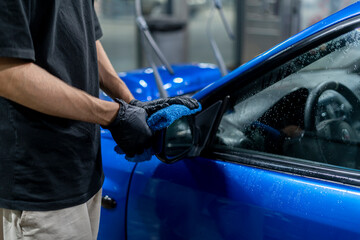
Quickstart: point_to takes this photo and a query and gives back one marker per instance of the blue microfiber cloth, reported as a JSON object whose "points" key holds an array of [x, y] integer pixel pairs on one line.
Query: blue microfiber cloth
{"points": [[157, 121], [166, 116]]}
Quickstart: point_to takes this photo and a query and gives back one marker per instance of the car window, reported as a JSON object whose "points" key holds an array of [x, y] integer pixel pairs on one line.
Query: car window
{"points": [[307, 108]]}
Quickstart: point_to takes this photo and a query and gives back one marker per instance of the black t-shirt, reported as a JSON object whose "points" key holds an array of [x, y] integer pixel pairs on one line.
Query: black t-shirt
{"points": [[46, 162]]}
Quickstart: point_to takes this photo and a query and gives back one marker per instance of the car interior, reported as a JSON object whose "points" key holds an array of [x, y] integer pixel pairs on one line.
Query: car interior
{"points": [[311, 112]]}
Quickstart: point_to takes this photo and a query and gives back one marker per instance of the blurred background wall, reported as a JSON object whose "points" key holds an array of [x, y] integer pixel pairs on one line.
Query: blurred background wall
{"points": [[258, 24]]}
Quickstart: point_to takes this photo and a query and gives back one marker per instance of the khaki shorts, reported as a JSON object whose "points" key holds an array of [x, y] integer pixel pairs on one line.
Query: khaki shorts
{"points": [[76, 223]]}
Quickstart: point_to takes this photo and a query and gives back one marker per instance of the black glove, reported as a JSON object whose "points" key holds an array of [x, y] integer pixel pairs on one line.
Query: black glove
{"points": [[155, 105], [130, 130]]}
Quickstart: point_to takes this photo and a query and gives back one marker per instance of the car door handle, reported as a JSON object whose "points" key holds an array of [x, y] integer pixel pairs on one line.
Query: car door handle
{"points": [[108, 203]]}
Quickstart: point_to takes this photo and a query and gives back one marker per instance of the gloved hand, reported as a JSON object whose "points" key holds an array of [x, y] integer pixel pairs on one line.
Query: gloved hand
{"points": [[130, 130], [155, 105]]}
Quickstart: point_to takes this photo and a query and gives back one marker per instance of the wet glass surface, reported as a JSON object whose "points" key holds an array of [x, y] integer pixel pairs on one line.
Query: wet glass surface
{"points": [[311, 111]]}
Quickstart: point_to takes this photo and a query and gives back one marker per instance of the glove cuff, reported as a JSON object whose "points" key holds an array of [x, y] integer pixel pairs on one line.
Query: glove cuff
{"points": [[120, 113]]}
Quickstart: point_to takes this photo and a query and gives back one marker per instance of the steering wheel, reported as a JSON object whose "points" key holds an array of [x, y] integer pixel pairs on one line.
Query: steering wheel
{"points": [[334, 137]]}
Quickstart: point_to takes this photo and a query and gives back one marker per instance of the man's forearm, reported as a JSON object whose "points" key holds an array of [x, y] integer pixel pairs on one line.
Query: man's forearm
{"points": [[35, 88], [109, 80]]}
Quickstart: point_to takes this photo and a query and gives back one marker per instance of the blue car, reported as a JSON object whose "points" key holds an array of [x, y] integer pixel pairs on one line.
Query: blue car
{"points": [[274, 154]]}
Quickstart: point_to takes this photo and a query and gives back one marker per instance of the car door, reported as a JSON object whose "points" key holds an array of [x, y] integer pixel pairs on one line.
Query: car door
{"points": [[274, 154]]}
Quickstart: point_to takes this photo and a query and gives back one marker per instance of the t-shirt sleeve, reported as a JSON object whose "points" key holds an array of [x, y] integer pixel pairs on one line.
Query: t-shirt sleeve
{"points": [[15, 36], [98, 31]]}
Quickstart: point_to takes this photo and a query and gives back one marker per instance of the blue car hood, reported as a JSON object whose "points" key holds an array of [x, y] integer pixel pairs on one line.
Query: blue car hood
{"points": [[187, 79]]}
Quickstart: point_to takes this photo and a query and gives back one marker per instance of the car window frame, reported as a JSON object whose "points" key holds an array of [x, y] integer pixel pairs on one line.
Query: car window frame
{"points": [[274, 162]]}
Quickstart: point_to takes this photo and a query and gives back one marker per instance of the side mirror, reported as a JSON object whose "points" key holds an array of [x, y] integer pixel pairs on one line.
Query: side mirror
{"points": [[177, 140], [187, 136]]}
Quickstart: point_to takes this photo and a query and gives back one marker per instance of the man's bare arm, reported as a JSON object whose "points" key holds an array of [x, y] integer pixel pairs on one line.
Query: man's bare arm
{"points": [[30, 85], [110, 82]]}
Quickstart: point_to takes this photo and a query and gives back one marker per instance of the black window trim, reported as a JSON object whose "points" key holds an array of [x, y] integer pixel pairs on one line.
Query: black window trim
{"points": [[281, 163], [289, 165]]}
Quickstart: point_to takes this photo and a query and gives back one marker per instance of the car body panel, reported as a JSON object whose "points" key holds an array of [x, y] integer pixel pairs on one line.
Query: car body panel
{"points": [[205, 199], [187, 79], [117, 179]]}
